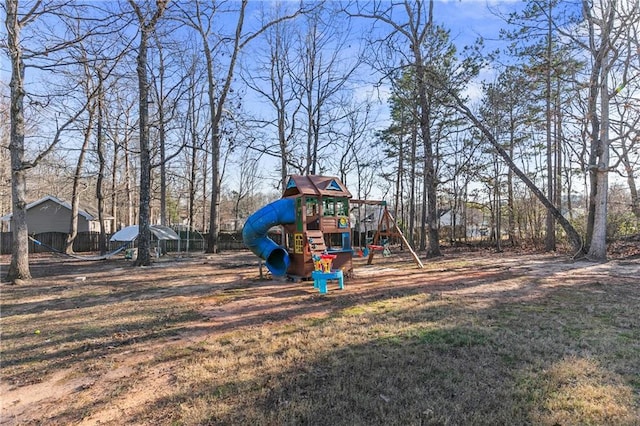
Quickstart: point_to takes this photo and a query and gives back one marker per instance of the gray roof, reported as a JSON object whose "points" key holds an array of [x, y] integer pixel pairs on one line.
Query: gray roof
{"points": [[81, 212]]}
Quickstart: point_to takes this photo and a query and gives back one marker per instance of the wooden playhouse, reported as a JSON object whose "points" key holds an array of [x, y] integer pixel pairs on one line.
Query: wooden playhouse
{"points": [[322, 224]]}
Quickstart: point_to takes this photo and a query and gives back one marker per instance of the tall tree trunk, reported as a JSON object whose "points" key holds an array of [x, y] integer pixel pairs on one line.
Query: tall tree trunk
{"points": [[102, 239], [193, 166], [430, 178], [144, 233], [510, 201], [19, 266], [598, 246], [412, 186], [114, 178], [593, 119], [205, 162], [163, 171], [558, 147], [631, 181], [127, 182], [497, 207], [216, 117], [550, 238], [400, 174], [424, 209], [432, 217], [599, 155], [146, 29], [162, 140], [214, 216], [212, 237]]}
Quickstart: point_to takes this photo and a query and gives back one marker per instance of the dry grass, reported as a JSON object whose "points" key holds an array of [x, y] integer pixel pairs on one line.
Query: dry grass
{"points": [[478, 340]]}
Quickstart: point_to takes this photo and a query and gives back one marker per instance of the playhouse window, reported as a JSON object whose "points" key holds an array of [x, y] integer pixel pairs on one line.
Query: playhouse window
{"points": [[342, 207], [333, 241], [312, 206], [328, 207]]}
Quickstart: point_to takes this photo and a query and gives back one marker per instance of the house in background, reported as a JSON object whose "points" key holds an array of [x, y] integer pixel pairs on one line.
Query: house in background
{"points": [[49, 214]]}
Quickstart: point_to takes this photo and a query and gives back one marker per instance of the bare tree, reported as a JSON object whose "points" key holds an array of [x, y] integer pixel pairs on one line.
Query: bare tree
{"points": [[320, 73], [126, 107], [627, 143], [196, 133], [96, 65], [100, 142], [168, 90], [147, 25], [414, 31], [270, 77], [352, 135], [77, 176], [201, 19], [625, 119], [606, 23], [15, 22]]}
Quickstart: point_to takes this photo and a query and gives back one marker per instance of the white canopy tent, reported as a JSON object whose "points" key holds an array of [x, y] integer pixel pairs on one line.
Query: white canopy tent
{"points": [[130, 233]]}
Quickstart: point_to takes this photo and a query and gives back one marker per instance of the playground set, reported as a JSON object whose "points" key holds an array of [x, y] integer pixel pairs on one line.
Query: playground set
{"points": [[314, 212]]}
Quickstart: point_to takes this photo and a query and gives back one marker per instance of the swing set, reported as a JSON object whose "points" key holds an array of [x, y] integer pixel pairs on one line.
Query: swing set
{"points": [[386, 230]]}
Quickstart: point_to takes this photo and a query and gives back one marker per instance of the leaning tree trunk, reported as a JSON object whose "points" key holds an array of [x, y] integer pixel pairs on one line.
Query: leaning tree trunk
{"points": [[574, 238], [75, 196]]}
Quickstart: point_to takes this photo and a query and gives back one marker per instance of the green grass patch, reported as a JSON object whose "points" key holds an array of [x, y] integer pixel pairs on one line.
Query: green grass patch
{"points": [[450, 337]]}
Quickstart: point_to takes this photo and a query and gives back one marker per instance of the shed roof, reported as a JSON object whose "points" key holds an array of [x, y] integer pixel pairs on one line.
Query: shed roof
{"points": [[327, 186], [82, 212]]}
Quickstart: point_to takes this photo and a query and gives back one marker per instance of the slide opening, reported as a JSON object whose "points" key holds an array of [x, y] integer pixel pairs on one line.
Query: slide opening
{"points": [[278, 261]]}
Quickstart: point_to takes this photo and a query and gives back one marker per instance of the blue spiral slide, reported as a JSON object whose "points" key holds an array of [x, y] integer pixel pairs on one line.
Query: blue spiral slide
{"points": [[254, 233]]}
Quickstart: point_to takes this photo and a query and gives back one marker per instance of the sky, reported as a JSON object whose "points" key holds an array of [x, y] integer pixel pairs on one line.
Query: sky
{"points": [[471, 19], [467, 20]]}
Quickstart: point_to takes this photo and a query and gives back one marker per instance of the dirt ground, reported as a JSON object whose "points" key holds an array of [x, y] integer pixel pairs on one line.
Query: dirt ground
{"points": [[228, 294]]}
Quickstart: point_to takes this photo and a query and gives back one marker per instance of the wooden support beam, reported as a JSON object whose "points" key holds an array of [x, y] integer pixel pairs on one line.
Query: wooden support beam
{"points": [[388, 220], [368, 202]]}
